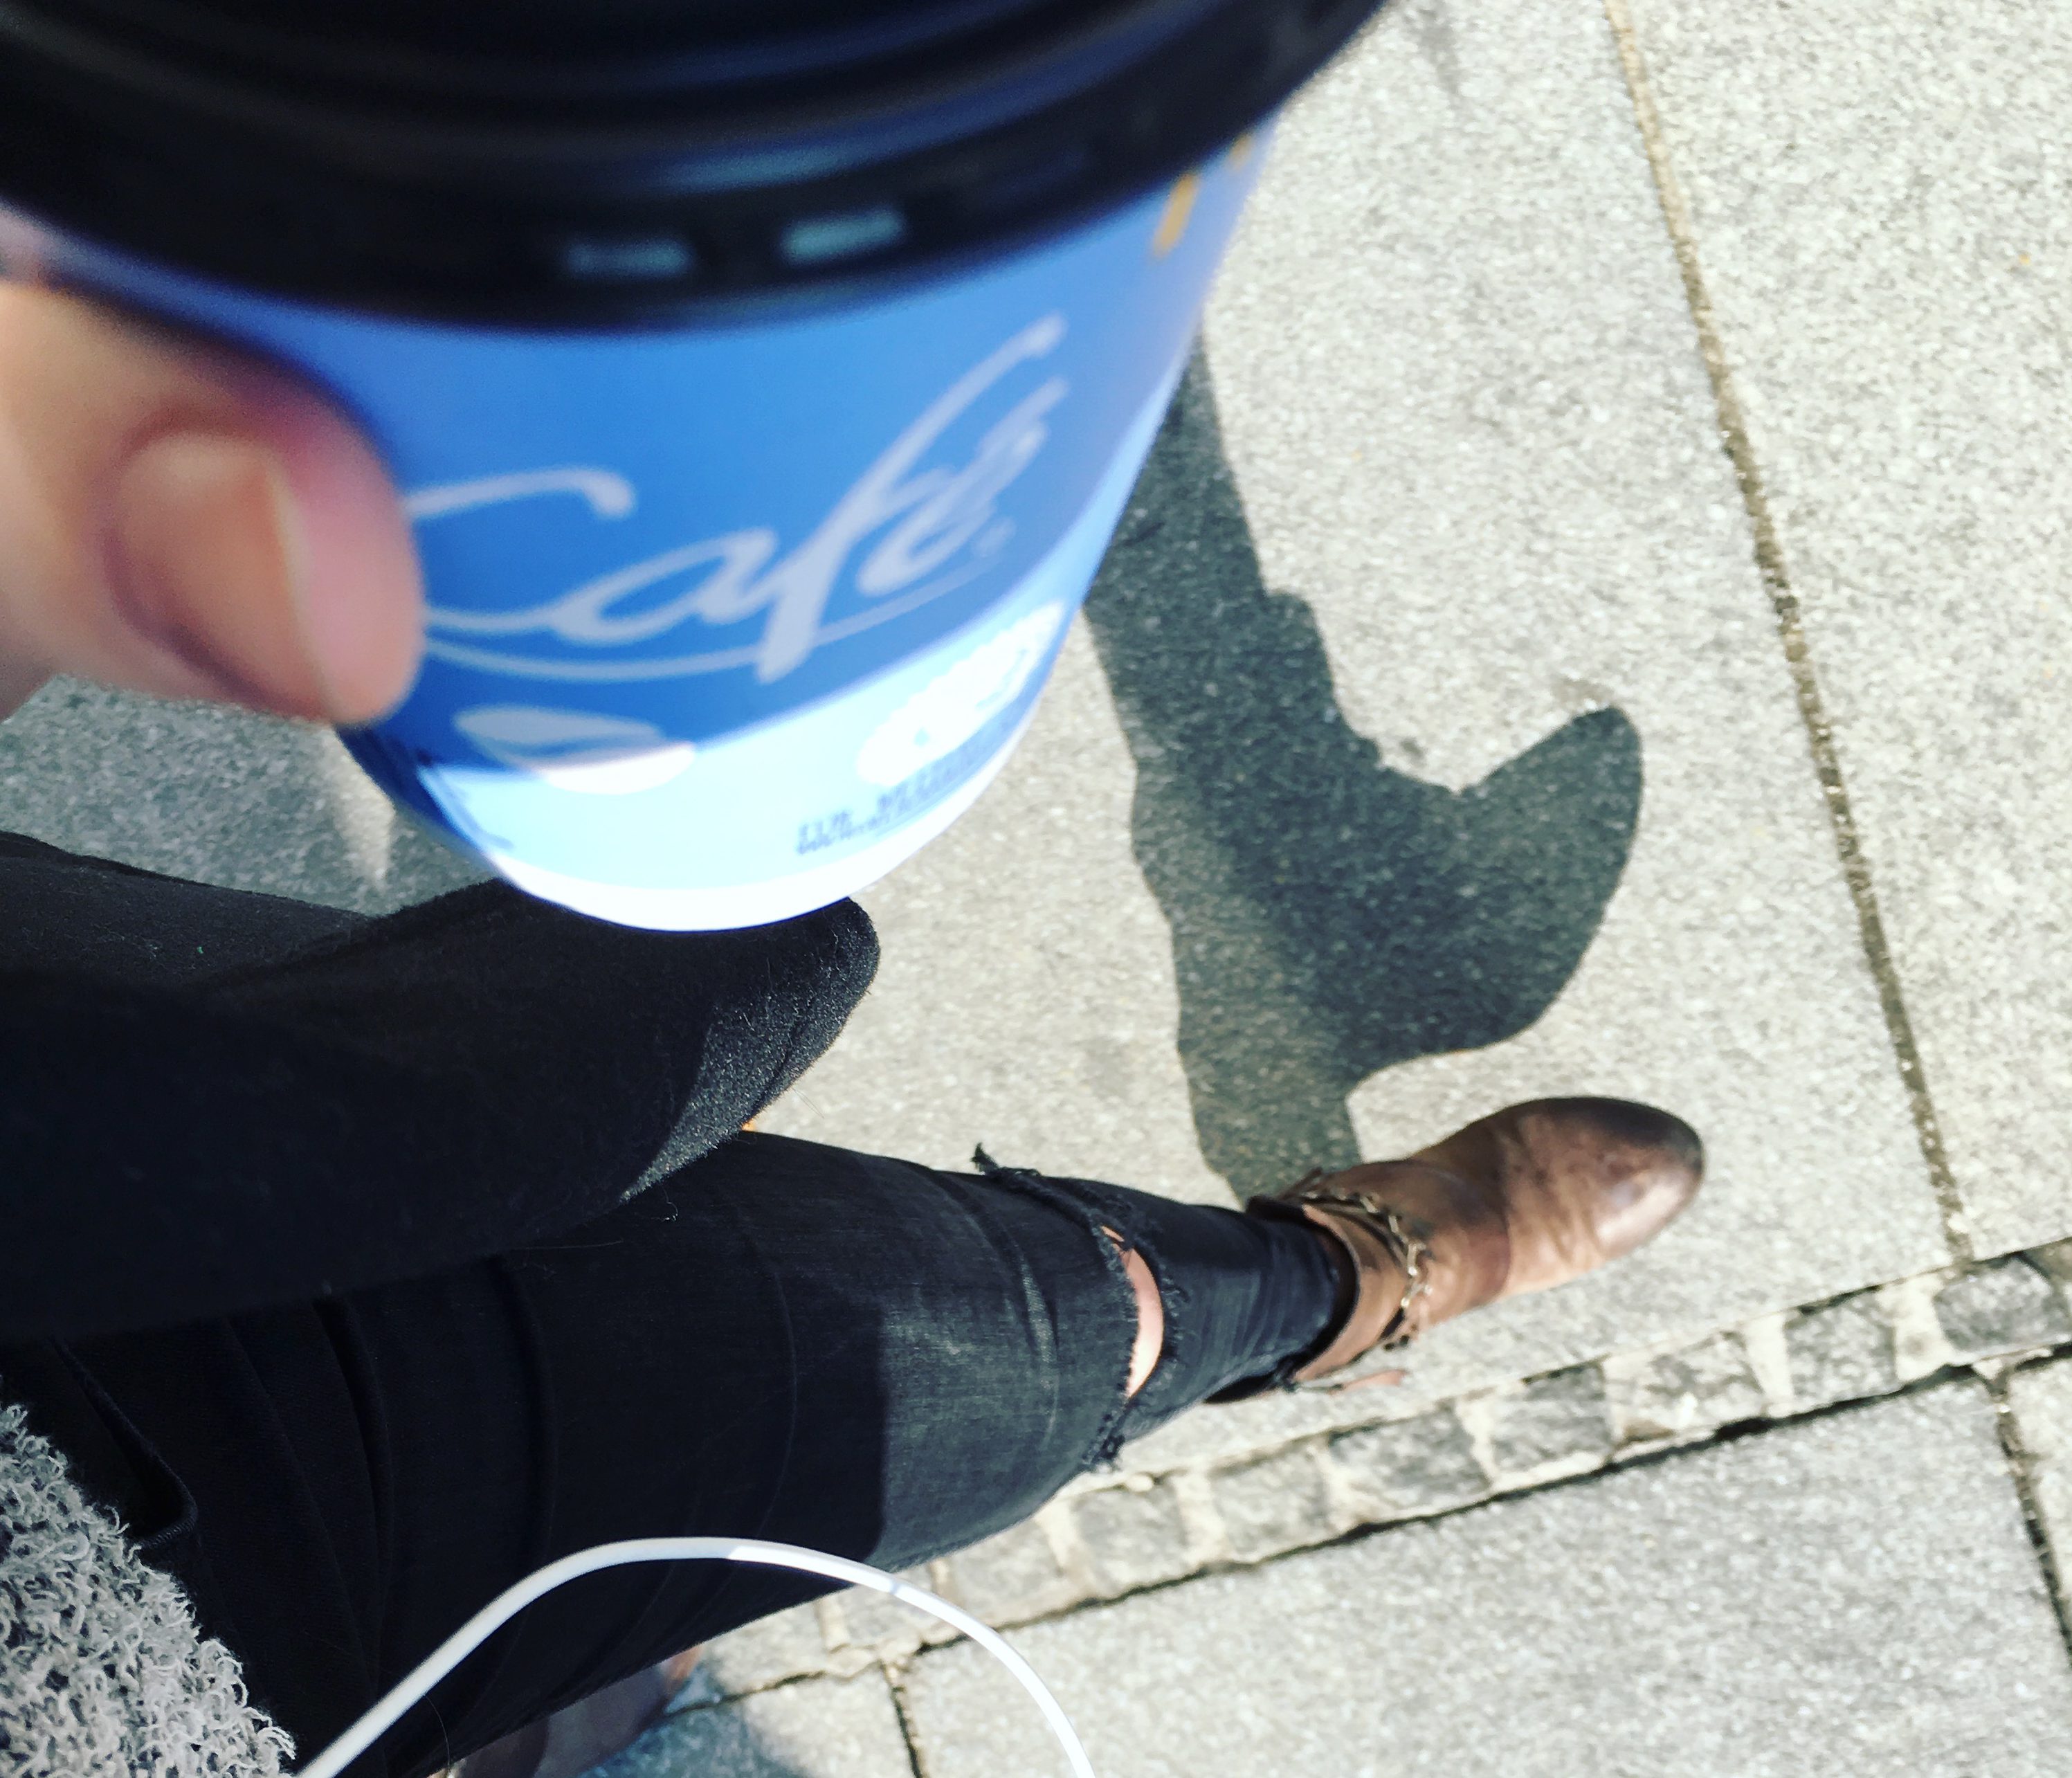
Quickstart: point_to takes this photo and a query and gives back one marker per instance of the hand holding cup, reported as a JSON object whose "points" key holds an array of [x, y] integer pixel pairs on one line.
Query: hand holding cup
{"points": [[178, 520]]}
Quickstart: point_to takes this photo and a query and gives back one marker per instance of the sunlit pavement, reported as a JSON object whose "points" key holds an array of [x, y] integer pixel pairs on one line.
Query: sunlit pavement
{"points": [[1597, 620]]}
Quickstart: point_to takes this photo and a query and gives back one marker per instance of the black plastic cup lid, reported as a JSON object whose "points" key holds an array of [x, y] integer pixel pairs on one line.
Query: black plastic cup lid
{"points": [[613, 162]]}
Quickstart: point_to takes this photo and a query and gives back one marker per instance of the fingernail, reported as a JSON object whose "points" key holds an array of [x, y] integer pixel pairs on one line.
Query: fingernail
{"points": [[211, 562]]}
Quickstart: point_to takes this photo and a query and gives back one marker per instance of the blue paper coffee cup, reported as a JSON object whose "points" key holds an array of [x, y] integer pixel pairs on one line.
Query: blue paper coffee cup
{"points": [[759, 464]]}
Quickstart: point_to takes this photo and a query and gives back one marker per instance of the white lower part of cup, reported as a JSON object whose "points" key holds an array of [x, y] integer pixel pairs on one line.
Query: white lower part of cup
{"points": [[722, 906]]}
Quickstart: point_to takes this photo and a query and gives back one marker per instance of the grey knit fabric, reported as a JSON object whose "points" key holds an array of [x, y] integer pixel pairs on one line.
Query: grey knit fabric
{"points": [[103, 1671]]}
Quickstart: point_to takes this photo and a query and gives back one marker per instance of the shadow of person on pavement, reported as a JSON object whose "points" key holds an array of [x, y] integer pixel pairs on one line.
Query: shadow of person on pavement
{"points": [[1331, 915]]}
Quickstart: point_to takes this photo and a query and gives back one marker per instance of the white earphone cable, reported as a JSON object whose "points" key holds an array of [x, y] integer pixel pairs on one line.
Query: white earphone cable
{"points": [[514, 1598]]}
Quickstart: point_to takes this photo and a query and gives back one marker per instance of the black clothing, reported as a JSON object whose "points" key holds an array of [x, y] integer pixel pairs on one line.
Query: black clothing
{"points": [[332, 1271]]}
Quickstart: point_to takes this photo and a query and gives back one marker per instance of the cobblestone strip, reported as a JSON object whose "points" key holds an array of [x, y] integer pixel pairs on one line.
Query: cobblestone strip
{"points": [[1129, 1531]]}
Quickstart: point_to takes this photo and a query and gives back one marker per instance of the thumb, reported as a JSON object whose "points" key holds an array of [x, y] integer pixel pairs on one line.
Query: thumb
{"points": [[177, 520]]}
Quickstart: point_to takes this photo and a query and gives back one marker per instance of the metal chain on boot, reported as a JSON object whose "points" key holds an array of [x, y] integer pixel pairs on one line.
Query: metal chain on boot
{"points": [[1408, 1249]]}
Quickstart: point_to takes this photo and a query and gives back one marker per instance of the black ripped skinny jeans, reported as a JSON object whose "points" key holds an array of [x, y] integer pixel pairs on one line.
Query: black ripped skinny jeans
{"points": [[364, 1266]]}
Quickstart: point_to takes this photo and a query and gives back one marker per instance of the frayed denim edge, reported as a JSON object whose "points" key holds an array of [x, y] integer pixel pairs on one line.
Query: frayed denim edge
{"points": [[1108, 1440]]}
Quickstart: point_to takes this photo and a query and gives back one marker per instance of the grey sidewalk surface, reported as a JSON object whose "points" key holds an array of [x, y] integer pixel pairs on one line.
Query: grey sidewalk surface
{"points": [[1633, 1628], [1598, 619]]}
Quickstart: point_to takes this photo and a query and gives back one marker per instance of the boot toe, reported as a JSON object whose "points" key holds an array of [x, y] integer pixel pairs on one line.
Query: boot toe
{"points": [[1639, 1166]]}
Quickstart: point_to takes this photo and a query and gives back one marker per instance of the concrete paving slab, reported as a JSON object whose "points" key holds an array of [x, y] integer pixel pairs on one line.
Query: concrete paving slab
{"points": [[1852, 1594], [217, 794], [1877, 193], [821, 1728], [1026, 998]]}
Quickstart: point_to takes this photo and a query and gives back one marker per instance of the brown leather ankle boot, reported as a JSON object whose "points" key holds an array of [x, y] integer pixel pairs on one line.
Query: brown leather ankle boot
{"points": [[1525, 1199]]}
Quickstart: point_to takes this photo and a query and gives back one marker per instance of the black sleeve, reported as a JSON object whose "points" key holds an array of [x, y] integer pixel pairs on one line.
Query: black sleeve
{"points": [[397, 1096]]}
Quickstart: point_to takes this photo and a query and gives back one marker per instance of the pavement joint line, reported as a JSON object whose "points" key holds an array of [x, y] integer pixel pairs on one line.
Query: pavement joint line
{"points": [[1873, 1343], [1733, 1433], [895, 1682], [1933, 1281], [896, 1668], [1784, 601], [1730, 1434], [2021, 1469]]}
